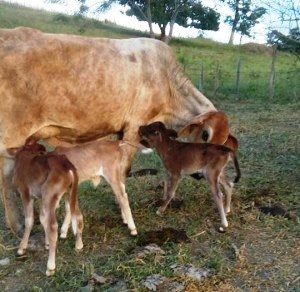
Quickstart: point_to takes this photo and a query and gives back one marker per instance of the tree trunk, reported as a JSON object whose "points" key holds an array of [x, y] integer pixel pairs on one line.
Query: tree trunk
{"points": [[172, 23], [163, 36], [235, 22], [149, 19]]}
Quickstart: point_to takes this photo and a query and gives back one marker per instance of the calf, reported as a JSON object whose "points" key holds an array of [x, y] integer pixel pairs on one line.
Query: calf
{"points": [[186, 158], [102, 158], [46, 176]]}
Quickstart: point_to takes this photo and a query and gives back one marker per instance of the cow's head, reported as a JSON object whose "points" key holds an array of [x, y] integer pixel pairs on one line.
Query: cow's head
{"points": [[153, 134]]}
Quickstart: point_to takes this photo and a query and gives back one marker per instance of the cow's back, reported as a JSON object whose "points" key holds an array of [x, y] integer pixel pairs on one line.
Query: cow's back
{"points": [[90, 87]]}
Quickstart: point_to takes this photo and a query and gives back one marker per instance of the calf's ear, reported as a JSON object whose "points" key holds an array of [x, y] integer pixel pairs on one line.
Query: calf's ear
{"points": [[172, 133]]}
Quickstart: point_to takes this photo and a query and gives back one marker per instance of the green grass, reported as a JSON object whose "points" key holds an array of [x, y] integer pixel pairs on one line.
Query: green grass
{"points": [[269, 157]]}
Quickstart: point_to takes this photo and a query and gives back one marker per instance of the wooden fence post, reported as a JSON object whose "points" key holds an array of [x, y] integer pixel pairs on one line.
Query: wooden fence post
{"points": [[272, 73], [201, 79], [238, 78], [217, 79]]}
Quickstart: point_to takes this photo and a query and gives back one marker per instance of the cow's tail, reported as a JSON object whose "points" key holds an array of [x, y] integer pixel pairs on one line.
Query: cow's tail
{"points": [[236, 166]]}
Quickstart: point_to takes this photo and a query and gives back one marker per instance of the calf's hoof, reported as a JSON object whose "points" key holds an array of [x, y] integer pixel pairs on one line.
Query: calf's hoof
{"points": [[79, 246], [21, 251], [133, 232], [63, 235], [222, 229], [159, 212], [50, 272], [47, 246]]}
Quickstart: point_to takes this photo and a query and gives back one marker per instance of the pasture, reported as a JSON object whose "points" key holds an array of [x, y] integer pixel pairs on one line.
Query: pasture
{"points": [[259, 252]]}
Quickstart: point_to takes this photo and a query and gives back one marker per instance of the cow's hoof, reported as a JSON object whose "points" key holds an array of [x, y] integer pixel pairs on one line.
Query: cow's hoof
{"points": [[133, 232], [50, 272]]}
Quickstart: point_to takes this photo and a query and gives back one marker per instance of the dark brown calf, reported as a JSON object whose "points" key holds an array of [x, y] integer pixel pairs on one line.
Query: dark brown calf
{"points": [[186, 158], [48, 176]]}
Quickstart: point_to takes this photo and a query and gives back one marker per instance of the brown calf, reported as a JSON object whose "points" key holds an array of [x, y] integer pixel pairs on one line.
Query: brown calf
{"points": [[102, 158], [48, 176], [186, 158]]}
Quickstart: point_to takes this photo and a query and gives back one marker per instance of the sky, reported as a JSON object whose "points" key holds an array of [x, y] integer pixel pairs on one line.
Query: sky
{"points": [[115, 15]]}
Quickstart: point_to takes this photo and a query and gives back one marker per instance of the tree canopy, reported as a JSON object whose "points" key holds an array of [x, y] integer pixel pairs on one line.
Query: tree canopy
{"points": [[186, 13], [246, 16]]}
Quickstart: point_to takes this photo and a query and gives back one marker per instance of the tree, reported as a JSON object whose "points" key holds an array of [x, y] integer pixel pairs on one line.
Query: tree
{"points": [[187, 13], [284, 28], [245, 17]]}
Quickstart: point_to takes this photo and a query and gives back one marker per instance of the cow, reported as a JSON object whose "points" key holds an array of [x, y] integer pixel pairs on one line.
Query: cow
{"points": [[77, 89]]}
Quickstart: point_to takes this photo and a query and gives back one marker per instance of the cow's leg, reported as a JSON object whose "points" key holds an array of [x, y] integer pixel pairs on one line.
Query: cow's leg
{"points": [[213, 180], [171, 186], [29, 218], [227, 191], [67, 221], [13, 214]]}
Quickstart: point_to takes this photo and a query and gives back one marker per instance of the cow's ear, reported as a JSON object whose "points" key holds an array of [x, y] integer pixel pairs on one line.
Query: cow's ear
{"points": [[188, 130], [13, 151]]}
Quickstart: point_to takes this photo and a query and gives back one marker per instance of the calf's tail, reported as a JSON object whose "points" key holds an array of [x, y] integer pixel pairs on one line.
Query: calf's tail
{"points": [[236, 166], [74, 200]]}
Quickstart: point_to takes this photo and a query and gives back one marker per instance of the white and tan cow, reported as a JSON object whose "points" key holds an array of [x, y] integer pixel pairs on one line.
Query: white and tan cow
{"points": [[78, 89]]}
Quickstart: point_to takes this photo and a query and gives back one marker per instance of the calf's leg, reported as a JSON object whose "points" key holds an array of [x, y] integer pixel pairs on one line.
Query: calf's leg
{"points": [[119, 189], [227, 191], [51, 231], [170, 188], [218, 198], [29, 218]]}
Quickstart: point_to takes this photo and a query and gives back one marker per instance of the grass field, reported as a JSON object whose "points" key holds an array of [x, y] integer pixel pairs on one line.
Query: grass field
{"points": [[258, 252]]}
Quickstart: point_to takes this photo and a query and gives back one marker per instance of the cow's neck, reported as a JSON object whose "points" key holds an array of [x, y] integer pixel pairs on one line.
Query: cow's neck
{"points": [[187, 102]]}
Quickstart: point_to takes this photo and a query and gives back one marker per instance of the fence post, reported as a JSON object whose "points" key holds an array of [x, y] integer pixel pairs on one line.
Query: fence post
{"points": [[272, 73], [217, 79], [201, 79], [238, 78]]}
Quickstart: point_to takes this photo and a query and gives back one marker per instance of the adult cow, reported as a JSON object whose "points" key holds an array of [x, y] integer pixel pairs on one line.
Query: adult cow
{"points": [[78, 89]]}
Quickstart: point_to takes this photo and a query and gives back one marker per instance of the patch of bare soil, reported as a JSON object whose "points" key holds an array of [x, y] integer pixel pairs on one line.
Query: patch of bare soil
{"points": [[163, 236]]}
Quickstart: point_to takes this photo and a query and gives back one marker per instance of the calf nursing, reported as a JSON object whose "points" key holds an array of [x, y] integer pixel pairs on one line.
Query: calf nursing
{"points": [[103, 158], [49, 177], [186, 158]]}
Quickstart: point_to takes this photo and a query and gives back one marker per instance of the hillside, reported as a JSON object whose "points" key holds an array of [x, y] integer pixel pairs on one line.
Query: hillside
{"points": [[219, 61]]}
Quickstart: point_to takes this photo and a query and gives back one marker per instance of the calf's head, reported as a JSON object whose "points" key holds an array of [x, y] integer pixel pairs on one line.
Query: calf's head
{"points": [[153, 134]]}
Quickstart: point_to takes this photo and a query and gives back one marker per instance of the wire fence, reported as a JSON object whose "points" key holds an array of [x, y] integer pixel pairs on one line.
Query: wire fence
{"points": [[245, 83]]}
